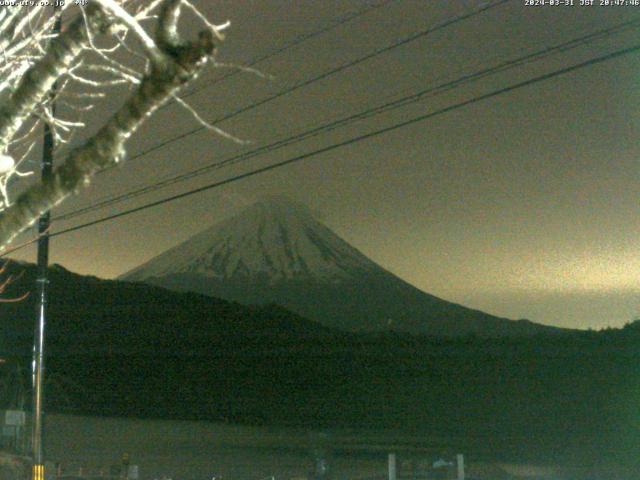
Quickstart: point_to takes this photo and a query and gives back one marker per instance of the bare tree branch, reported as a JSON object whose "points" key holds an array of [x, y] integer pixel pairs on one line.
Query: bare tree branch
{"points": [[178, 63], [38, 81], [5, 282]]}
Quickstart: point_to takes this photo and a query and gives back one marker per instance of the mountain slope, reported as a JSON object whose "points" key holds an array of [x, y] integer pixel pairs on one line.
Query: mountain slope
{"points": [[89, 315], [125, 349], [276, 252], [271, 241]]}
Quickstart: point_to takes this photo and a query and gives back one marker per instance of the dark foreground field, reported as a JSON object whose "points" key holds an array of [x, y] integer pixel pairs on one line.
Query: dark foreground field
{"points": [[571, 402], [187, 450]]}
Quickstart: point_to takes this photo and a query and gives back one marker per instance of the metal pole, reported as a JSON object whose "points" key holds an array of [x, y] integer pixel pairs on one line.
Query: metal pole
{"points": [[392, 466], [460, 464], [42, 294]]}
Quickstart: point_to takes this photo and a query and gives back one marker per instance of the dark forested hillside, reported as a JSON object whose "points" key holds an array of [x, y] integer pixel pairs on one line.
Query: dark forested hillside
{"points": [[129, 349]]}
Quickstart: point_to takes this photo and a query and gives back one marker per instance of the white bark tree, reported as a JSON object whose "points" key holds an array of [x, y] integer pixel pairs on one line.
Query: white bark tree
{"points": [[75, 68], [5, 281]]}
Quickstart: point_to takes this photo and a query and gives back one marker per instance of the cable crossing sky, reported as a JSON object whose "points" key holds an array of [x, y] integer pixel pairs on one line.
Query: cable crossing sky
{"points": [[383, 108], [359, 138]]}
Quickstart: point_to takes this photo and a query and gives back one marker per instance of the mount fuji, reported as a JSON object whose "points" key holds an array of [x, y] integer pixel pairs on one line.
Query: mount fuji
{"points": [[276, 252]]}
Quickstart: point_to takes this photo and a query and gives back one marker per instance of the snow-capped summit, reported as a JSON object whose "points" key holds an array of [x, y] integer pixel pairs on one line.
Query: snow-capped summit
{"points": [[275, 239], [275, 251]]}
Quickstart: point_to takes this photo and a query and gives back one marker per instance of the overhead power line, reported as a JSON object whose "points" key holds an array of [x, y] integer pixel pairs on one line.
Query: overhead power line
{"points": [[379, 51], [400, 102], [360, 138], [287, 46]]}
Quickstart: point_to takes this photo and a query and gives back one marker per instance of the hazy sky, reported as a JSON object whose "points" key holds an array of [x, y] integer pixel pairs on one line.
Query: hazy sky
{"points": [[524, 205]]}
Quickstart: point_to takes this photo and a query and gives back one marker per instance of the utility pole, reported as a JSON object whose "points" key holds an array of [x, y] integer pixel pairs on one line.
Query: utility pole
{"points": [[392, 466], [42, 292]]}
